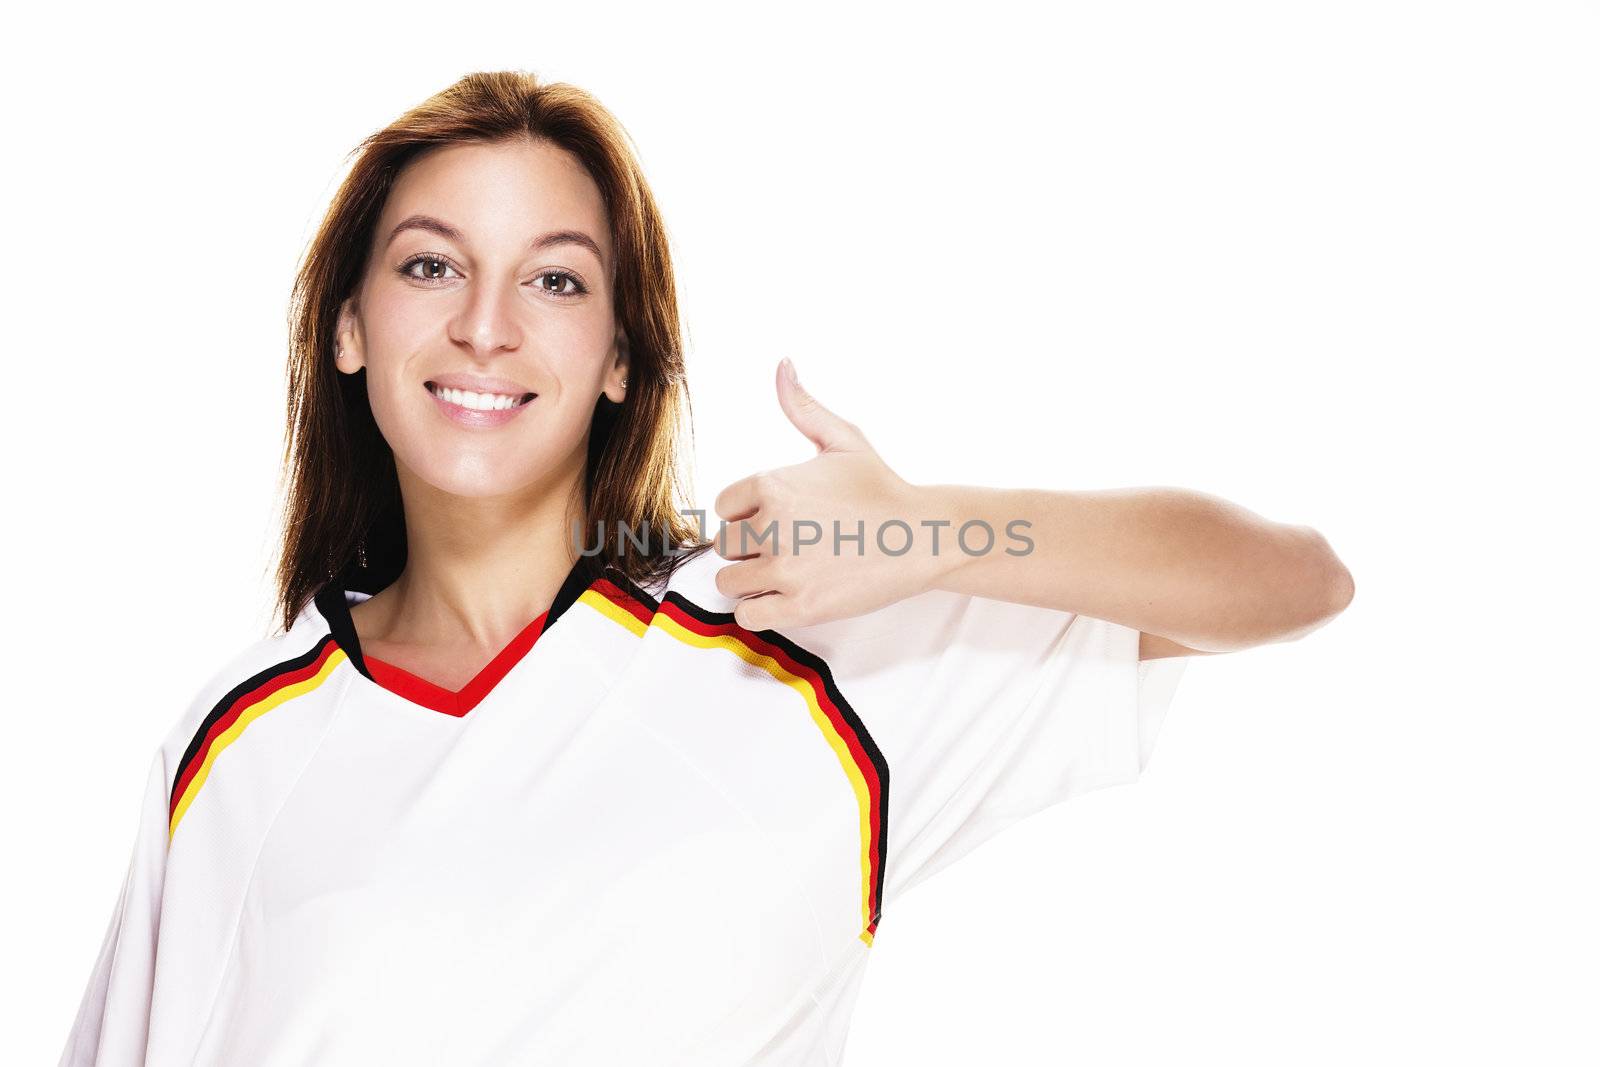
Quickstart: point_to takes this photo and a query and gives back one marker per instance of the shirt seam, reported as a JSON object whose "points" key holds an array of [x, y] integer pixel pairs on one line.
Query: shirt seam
{"points": [[989, 755], [255, 864], [805, 894]]}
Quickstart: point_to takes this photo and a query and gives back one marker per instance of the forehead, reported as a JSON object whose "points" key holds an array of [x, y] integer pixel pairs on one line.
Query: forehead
{"points": [[499, 194]]}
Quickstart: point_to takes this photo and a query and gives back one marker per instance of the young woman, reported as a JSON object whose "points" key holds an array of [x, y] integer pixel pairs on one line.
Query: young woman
{"points": [[538, 771]]}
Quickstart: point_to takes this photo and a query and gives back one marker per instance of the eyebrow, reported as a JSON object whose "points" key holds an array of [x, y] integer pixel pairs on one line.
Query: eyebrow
{"points": [[543, 241]]}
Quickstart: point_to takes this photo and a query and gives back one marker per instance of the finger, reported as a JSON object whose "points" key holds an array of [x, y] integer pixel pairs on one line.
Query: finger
{"points": [[744, 540], [738, 500], [822, 427], [746, 579], [763, 612]]}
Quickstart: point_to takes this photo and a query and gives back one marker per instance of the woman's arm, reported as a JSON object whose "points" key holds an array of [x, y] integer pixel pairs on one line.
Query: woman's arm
{"points": [[1198, 570], [1192, 572]]}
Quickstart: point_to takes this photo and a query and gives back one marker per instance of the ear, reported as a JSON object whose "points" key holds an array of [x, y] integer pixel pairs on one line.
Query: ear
{"points": [[349, 345], [615, 391]]}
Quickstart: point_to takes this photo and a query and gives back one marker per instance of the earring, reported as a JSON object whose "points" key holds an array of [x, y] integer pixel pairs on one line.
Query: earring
{"points": [[361, 552], [624, 383]]}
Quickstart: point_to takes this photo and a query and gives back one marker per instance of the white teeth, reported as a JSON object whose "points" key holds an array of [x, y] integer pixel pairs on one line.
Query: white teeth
{"points": [[477, 401]]}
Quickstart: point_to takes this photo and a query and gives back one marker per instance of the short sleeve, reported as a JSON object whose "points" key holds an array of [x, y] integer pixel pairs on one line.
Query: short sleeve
{"points": [[113, 1019], [1002, 710]]}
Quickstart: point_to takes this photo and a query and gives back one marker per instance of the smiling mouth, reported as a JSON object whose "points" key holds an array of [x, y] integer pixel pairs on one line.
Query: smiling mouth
{"points": [[479, 401]]}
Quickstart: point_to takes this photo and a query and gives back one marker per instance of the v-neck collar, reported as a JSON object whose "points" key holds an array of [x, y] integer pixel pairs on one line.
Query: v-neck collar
{"points": [[334, 604]]}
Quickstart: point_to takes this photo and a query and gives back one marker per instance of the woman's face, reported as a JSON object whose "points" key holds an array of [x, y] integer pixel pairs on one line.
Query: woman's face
{"points": [[480, 278]]}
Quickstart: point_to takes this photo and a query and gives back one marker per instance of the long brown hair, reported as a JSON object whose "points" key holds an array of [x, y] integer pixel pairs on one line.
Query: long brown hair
{"points": [[340, 490]]}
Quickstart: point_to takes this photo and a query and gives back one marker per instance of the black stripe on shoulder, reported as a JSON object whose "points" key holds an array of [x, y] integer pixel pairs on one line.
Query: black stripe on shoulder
{"points": [[800, 655], [627, 585], [196, 747], [810, 659]]}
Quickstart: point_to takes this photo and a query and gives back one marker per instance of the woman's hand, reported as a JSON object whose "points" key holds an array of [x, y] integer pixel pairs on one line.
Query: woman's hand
{"points": [[814, 545]]}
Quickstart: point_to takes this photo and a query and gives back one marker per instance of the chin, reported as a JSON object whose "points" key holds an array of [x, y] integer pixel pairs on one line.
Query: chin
{"points": [[476, 464], [479, 477]]}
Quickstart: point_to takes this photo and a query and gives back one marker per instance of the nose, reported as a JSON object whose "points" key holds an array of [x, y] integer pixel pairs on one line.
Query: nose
{"points": [[487, 321]]}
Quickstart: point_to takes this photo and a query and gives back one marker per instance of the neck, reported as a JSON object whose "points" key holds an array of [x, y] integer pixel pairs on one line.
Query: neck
{"points": [[478, 569]]}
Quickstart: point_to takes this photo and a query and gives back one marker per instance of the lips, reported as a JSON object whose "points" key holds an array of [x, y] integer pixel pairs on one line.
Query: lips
{"points": [[477, 410], [479, 399], [478, 383]]}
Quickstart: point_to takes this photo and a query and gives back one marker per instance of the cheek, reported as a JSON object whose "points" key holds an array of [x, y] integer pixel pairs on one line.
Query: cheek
{"points": [[546, 438], [393, 407], [396, 330], [397, 327]]}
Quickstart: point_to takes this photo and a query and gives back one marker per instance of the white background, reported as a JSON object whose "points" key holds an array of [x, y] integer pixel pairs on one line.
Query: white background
{"points": [[1335, 262]]}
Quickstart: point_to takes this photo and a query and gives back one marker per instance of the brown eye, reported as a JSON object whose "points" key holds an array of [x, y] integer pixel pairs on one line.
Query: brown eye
{"points": [[429, 264], [561, 277]]}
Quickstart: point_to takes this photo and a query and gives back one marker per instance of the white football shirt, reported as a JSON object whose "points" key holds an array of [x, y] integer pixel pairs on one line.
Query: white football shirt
{"points": [[642, 834]]}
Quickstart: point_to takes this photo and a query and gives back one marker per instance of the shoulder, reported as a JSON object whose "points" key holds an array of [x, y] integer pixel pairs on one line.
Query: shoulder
{"points": [[910, 633], [690, 576], [692, 591], [694, 578], [293, 662]]}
